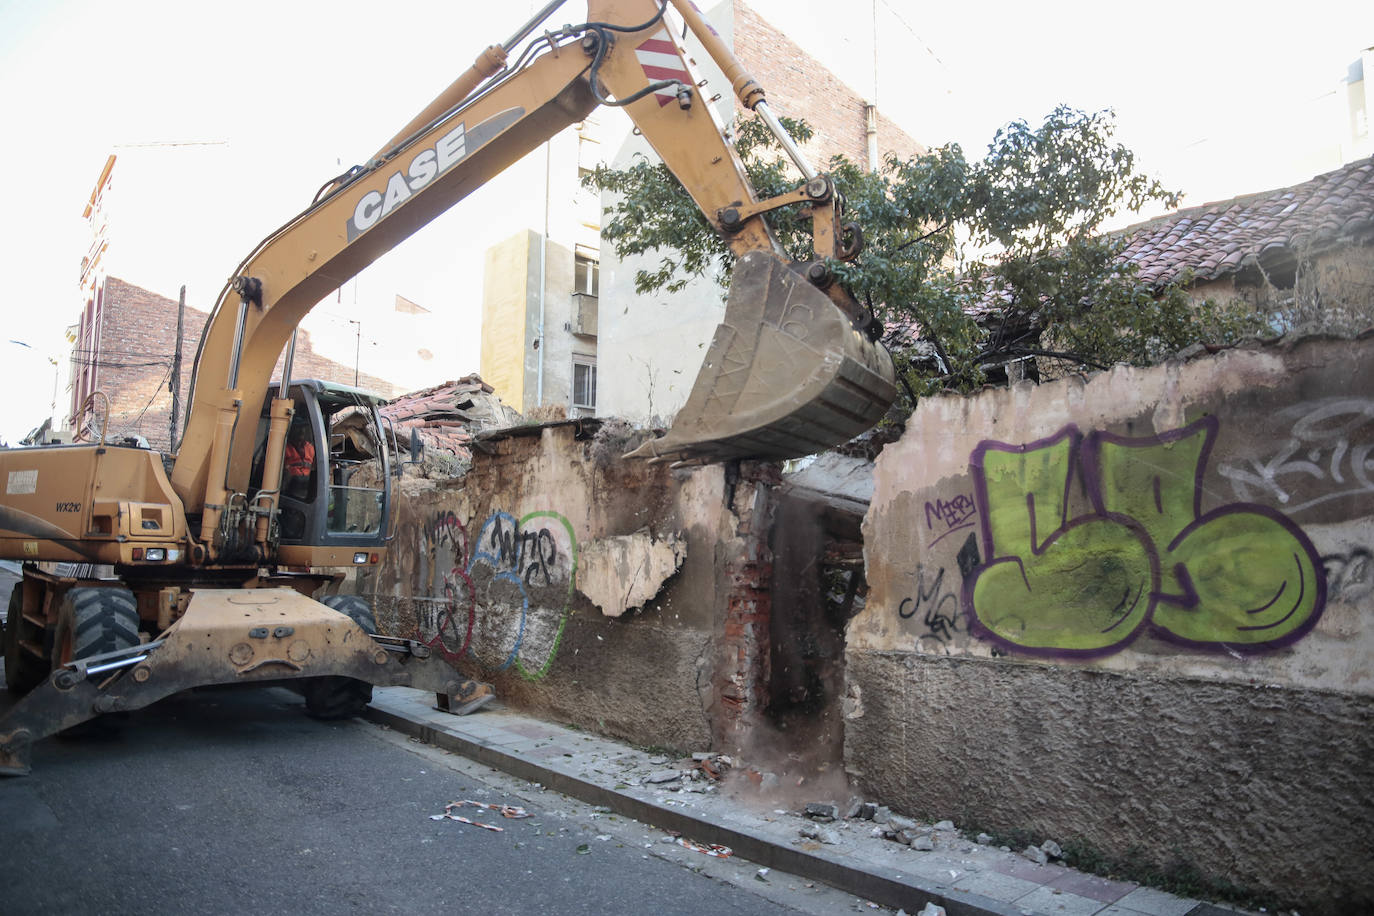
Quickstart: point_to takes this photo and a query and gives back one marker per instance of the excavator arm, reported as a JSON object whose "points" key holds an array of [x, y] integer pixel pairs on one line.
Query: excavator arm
{"points": [[789, 371]]}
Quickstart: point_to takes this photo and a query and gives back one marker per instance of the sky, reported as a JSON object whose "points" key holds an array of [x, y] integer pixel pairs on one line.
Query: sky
{"points": [[232, 116]]}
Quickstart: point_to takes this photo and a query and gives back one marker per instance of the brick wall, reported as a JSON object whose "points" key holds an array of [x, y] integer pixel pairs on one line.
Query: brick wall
{"points": [[136, 341], [798, 86], [743, 650]]}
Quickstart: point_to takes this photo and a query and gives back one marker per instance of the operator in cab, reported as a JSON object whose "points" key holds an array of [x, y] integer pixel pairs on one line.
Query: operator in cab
{"points": [[299, 460]]}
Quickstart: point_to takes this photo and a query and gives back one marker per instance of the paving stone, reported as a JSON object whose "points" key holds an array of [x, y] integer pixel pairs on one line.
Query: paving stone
{"points": [[994, 885], [1018, 867], [1156, 903], [1045, 900], [1092, 886]]}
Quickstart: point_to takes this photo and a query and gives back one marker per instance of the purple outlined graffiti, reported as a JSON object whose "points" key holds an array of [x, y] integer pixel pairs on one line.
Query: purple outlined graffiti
{"points": [[949, 516], [1240, 577]]}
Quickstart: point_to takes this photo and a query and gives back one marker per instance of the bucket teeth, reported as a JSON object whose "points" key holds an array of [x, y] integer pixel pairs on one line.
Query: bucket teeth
{"points": [[786, 375]]}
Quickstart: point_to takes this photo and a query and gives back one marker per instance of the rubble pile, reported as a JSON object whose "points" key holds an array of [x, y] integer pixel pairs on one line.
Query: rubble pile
{"points": [[822, 822], [445, 416]]}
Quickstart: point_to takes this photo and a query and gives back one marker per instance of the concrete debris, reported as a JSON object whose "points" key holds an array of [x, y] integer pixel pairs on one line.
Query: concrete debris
{"points": [[897, 822], [932, 910], [882, 814], [1035, 854], [821, 812], [984, 839], [923, 844], [867, 811], [663, 776], [625, 572], [710, 766], [945, 825], [1052, 849], [824, 834]]}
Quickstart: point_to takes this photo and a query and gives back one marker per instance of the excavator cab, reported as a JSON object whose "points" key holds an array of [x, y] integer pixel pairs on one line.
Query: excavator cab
{"points": [[336, 481]]}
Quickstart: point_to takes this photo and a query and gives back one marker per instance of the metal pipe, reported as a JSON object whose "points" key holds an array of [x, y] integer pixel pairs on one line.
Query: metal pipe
{"points": [[122, 663], [238, 343], [287, 366], [788, 144], [509, 44]]}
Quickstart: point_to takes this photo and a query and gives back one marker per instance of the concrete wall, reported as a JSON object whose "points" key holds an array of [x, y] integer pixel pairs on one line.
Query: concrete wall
{"points": [[1139, 611], [490, 568], [514, 356]]}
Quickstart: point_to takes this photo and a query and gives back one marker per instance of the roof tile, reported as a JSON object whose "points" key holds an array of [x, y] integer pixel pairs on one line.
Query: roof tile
{"points": [[1215, 239]]}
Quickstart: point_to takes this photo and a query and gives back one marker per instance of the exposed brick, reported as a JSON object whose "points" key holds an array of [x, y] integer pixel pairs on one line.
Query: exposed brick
{"points": [[133, 351], [798, 86]]}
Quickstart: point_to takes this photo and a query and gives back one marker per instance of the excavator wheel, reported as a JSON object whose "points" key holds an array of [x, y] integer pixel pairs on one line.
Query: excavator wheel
{"points": [[91, 621], [94, 620], [335, 697], [23, 670]]}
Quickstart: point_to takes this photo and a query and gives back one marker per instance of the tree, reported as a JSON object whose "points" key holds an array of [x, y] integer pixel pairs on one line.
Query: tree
{"points": [[972, 266]]}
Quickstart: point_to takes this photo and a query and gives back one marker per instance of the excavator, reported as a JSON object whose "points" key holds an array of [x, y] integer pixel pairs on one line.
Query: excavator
{"points": [[138, 584]]}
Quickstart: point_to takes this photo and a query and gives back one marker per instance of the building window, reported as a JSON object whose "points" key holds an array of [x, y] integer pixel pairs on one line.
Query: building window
{"points": [[584, 383], [586, 274]]}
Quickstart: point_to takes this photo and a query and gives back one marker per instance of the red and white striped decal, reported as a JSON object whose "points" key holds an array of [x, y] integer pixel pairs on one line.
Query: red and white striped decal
{"points": [[658, 56]]}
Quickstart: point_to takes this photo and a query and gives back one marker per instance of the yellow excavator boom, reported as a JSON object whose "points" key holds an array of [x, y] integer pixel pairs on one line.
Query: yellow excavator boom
{"points": [[781, 379]]}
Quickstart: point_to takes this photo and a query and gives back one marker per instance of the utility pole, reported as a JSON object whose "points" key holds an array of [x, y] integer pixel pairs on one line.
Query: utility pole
{"points": [[357, 349], [176, 371]]}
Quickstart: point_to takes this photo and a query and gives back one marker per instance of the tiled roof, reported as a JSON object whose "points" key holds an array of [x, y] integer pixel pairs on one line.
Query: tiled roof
{"points": [[1271, 229], [445, 416]]}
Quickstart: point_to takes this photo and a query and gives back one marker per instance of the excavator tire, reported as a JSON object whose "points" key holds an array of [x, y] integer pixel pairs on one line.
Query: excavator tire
{"points": [[92, 621], [23, 670], [336, 697]]}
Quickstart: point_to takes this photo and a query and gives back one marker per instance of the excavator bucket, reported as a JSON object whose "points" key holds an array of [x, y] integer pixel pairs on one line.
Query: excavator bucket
{"points": [[787, 375]]}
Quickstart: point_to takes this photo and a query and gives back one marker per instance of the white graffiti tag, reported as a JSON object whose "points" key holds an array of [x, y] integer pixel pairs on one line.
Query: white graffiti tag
{"points": [[1323, 447]]}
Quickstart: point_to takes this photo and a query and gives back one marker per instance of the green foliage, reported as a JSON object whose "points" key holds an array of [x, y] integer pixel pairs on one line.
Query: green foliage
{"points": [[971, 265]]}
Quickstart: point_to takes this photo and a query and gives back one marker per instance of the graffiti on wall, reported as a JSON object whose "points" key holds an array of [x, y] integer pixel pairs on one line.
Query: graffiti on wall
{"points": [[509, 592], [949, 516], [935, 604], [1326, 456], [1143, 557]]}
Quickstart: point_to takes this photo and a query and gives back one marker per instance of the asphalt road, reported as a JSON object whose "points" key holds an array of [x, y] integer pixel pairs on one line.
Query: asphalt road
{"points": [[233, 801]]}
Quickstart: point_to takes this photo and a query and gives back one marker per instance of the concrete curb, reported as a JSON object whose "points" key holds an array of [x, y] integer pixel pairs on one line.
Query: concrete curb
{"points": [[910, 894]]}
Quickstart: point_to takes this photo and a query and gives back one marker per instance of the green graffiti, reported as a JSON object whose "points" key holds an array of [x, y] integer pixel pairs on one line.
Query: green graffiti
{"points": [[1241, 575], [1054, 585]]}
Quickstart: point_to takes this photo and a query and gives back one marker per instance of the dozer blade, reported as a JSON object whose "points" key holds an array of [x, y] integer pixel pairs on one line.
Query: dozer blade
{"points": [[787, 375]]}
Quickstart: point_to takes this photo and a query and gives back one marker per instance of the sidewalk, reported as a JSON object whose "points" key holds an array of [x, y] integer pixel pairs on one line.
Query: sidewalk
{"points": [[957, 874]]}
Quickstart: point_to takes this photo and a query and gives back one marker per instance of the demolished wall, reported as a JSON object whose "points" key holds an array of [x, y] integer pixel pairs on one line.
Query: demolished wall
{"points": [[1136, 612], [617, 596]]}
